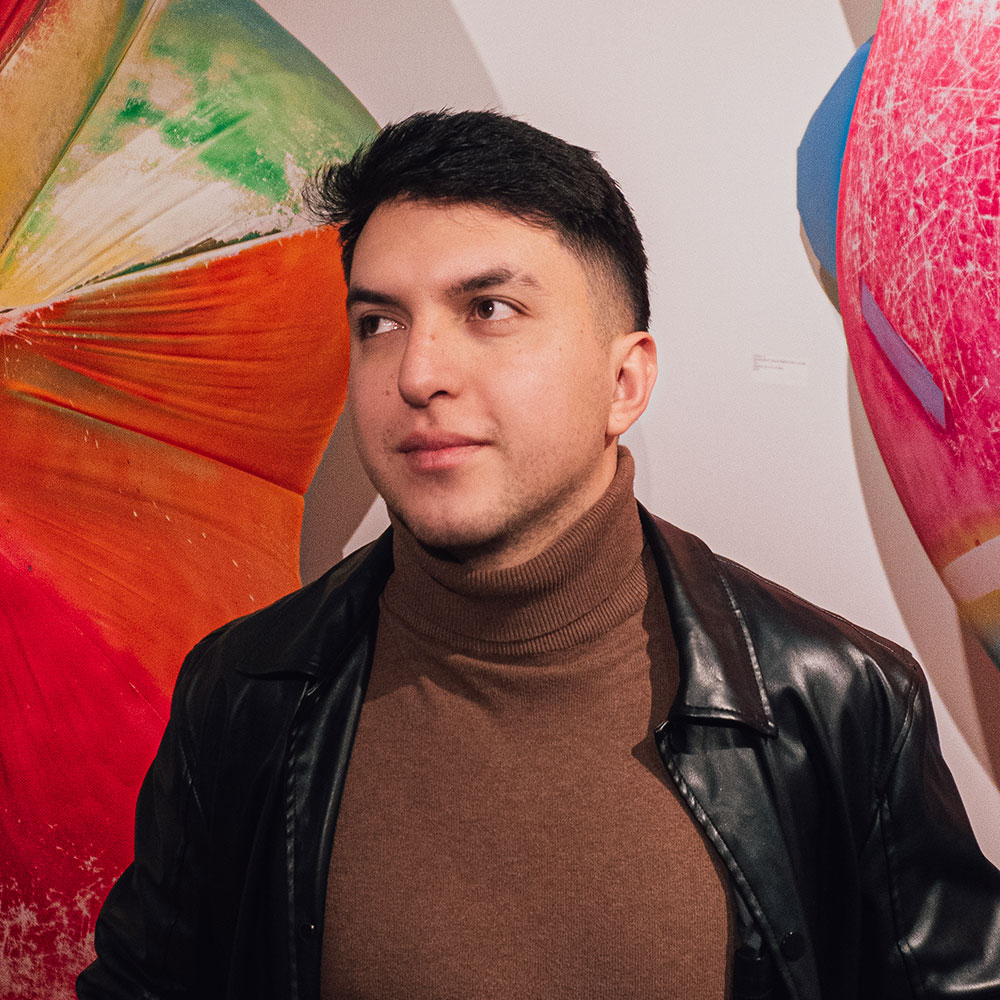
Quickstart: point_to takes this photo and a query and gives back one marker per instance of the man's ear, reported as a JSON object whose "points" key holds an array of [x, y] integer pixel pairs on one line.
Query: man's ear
{"points": [[634, 359]]}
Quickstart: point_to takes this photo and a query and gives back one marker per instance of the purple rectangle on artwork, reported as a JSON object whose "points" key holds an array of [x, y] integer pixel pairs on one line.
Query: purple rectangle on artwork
{"points": [[900, 355]]}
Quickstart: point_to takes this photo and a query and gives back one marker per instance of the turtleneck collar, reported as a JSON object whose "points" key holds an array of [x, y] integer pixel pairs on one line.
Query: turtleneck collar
{"points": [[586, 582]]}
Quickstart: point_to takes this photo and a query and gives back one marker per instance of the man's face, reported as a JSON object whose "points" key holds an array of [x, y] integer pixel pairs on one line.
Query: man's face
{"points": [[481, 378]]}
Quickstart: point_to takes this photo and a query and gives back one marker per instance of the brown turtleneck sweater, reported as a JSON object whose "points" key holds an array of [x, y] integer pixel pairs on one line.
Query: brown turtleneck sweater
{"points": [[507, 829]]}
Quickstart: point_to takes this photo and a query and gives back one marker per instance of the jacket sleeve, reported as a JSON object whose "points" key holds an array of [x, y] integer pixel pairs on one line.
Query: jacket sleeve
{"points": [[934, 898], [149, 929]]}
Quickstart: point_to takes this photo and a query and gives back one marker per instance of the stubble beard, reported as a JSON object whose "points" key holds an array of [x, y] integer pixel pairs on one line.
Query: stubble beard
{"points": [[512, 530]]}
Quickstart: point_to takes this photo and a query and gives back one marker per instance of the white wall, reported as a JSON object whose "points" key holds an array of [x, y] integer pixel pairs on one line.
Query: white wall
{"points": [[697, 110]]}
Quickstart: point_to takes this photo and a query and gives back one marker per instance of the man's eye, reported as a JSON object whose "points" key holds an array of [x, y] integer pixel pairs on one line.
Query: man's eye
{"points": [[493, 309], [372, 326]]}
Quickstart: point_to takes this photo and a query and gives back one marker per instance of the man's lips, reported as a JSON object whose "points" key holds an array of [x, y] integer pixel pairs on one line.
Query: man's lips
{"points": [[438, 450], [436, 441]]}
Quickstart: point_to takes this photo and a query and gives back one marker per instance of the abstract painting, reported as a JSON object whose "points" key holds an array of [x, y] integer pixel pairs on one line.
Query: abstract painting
{"points": [[918, 274], [173, 358]]}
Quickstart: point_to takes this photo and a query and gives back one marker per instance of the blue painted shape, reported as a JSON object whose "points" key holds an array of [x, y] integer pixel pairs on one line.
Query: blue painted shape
{"points": [[821, 156], [900, 355]]}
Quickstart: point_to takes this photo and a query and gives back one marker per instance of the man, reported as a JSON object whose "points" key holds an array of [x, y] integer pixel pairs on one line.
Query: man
{"points": [[534, 742]]}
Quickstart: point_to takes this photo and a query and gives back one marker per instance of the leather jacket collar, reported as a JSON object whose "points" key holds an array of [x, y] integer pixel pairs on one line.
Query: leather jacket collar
{"points": [[709, 630], [708, 627]]}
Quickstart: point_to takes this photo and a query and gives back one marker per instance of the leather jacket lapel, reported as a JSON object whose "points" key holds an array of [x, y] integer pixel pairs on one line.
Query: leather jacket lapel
{"points": [[720, 677], [715, 744]]}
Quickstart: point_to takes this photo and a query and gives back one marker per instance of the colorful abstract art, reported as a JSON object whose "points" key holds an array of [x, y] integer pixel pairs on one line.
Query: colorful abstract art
{"points": [[918, 278], [173, 358]]}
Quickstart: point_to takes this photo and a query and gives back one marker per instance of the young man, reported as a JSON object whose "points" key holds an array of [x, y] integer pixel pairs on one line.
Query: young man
{"points": [[534, 742]]}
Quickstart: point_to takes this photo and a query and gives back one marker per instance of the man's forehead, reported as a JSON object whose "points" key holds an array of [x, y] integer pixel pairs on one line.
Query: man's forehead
{"points": [[463, 246], [596, 264]]}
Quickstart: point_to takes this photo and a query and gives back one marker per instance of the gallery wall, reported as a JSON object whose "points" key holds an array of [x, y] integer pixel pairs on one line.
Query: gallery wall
{"points": [[755, 438]]}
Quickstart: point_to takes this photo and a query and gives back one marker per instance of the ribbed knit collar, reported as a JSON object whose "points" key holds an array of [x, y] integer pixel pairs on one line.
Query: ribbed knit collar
{"points": [[587, 582]]}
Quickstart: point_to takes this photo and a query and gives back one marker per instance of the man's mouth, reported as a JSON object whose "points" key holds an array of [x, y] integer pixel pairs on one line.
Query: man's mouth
{"points": [[434, 450]]}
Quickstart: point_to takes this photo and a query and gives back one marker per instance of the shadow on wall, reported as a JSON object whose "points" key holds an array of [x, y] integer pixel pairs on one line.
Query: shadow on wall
{"points": [[861, 17], [337, 501], [965, 677]]}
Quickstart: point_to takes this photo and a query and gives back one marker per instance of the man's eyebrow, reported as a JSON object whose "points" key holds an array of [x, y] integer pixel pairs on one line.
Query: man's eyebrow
{"points": [[358, 293], [491, 279]]}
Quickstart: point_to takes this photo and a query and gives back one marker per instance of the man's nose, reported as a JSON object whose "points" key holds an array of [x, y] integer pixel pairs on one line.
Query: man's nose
{"points": [[430, 365]]}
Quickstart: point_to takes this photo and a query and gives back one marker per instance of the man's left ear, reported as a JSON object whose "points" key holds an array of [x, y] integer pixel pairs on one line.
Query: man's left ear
{"points": [[634, 360]]}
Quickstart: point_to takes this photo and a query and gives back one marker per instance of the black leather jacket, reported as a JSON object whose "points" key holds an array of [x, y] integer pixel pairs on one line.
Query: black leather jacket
{"points": [[804, 746]]}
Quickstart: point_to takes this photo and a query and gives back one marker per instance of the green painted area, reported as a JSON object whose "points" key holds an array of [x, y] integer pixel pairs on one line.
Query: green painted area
{"points": [[207, 122], [38, 224], [259, 95], [246, 96], [35, 227], [138, 112], [107, 128], [127, 27], [246, 166]]}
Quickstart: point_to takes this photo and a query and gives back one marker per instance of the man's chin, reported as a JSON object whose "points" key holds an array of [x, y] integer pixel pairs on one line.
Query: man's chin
{"points": [[457, 542]]}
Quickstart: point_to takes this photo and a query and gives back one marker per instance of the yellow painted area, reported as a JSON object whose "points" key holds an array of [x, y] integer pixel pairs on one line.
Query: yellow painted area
{"points": [[44, 89], [982, 614]]}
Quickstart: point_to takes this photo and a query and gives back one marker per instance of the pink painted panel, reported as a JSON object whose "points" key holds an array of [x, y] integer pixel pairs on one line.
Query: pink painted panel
{"points": [[918, 262]]}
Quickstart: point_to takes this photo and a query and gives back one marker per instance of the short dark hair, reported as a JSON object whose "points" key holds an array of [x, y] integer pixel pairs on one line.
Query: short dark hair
{"points": [[490, 159]]}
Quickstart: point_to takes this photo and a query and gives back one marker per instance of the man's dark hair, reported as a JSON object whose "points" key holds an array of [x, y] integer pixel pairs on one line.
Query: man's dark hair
{"points": [[490, 159]]}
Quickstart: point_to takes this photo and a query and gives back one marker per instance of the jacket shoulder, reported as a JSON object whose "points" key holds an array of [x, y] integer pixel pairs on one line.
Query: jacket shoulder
{"points": [[842, 807], [241, 683], [302, 632], [803, 644], [766, 607], [812, 667]]}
